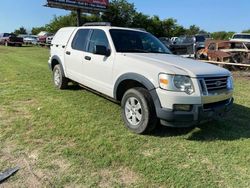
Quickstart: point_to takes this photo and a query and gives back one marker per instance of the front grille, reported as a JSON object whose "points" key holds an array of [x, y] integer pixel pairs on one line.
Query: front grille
{"points": [[211, 84]]}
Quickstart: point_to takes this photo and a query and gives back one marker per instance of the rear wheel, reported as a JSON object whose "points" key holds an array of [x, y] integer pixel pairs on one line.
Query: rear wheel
{"points": [[138, 111], [60, 81]]}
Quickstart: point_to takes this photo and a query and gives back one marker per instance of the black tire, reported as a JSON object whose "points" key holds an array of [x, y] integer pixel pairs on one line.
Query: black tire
{"points": [[147, 113], [59, 79]]}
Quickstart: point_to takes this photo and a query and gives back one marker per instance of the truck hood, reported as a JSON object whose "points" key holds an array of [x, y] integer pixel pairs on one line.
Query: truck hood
{"points": [[178, 65]]}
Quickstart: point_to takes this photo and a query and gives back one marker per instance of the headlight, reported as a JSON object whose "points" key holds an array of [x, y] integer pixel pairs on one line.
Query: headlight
{"points": [[176, 83], [230, 83]]}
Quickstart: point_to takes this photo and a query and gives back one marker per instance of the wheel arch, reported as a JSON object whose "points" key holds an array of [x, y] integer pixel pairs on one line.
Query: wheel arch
{"points": [[128, 81], [55, 60]]}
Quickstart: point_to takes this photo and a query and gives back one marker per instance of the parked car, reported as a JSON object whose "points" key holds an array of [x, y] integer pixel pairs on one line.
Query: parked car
{"points": [[166, 41], [135, 69], [9, 39], [49, 39], [184, 46], [29, 39], [243, 37], [187, 46], [42, 37], [174, 39], [225, 51]]}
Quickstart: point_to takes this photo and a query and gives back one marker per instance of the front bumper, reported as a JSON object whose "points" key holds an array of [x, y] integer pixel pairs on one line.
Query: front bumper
{"points": [[198, 114]]}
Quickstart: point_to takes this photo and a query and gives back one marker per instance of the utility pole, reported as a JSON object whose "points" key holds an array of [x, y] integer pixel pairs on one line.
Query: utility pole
{"points": [[78, 11]]}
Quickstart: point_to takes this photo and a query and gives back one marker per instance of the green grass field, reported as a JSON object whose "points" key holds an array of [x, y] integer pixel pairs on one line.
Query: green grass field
{"points": [[74, 138]]}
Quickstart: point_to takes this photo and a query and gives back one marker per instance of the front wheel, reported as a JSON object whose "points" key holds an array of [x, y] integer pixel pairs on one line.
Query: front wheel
{"points": [[60, 81], [138, 111]]}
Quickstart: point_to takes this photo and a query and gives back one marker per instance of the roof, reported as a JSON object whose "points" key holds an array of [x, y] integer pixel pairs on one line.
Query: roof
{"points": [[242, 34], [113, 27]]}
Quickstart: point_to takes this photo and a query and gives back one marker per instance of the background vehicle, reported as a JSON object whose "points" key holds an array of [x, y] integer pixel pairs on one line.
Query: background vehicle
{"points": [[9, 39], [225, 51], [187, 46], [42, 37], [166, 41], [29, 39], [243, 37], [135, 69], [49, 39]]}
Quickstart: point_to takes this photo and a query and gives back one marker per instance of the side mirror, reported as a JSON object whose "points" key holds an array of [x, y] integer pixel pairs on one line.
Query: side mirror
{"points": [[102, 50]]}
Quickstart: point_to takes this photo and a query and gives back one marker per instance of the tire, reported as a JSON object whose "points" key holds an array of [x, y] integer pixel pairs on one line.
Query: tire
{"points": [[60, 81], [138, 111]]}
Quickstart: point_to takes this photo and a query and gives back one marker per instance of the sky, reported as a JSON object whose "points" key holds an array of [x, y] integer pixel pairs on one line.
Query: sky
{"points": [[210, 15]]}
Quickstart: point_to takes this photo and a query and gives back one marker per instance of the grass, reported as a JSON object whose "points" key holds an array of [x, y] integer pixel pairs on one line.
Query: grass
{"points": [[74, 138]]}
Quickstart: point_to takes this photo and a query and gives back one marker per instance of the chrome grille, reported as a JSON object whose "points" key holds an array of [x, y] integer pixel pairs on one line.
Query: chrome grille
{"points": [[210, 84]]}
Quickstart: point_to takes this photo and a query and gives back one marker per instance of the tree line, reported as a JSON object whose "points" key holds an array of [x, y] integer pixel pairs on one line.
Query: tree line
{"points": [[122, 13]]}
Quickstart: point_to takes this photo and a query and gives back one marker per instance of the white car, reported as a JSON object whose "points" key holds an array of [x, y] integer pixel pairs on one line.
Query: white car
{"points": [[135, 69], [30, 39], [49, 39], [241, 37]]}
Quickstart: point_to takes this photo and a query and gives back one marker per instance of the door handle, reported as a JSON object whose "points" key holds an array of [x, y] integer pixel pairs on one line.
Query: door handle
{"points": [[88, 58], [68, 52]]}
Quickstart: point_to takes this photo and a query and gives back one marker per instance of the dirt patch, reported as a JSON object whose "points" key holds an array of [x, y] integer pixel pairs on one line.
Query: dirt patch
{"points": [[151, 152], [127, 176], [123, 176], [20, 108], [15, 111], [242, 75], [30, 173], [26, 176]]}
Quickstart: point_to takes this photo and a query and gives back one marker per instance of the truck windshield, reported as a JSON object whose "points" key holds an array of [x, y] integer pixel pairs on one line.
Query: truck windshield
{"points": [[241, 36], [129, 41], [200, 38]]}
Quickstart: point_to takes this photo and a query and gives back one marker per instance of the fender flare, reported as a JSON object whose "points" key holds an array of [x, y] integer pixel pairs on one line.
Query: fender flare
{"points": [[133, 76], [144, 81], [55, 57]]}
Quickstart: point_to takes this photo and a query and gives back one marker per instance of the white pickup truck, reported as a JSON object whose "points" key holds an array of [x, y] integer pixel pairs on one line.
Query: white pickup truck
{"points": [[135, 69]]}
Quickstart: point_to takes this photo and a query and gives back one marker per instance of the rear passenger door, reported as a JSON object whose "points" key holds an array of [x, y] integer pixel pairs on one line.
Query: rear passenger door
{"points": [[98, 68], [74, 56]]}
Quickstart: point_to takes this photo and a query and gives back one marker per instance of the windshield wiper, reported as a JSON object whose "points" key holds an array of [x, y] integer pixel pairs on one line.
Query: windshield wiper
{"points": [[138, 50], [157, 52]]}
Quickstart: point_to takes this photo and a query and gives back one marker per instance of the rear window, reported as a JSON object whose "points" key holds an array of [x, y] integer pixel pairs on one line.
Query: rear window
{"points": [[6, 35], [200, 39], [241, 36], [80, 40]]}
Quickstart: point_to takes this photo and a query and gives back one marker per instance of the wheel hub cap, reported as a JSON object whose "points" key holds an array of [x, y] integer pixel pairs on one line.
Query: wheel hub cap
{"points": [[133, 111], [57, 77]]}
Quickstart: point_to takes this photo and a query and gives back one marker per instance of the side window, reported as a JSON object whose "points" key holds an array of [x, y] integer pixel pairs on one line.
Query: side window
{"points": [[98, 37], [80, 40], [212, 46]]}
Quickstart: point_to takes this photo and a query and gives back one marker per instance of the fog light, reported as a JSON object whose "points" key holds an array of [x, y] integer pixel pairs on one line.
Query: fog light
{"points": [[183, 107]]}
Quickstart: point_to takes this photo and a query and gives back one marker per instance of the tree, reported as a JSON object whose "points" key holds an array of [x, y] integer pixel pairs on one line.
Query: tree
{"points": [[193, 30], [61, 21], [120, 13], [20, 31], [246, 31], [124, 14], [222, 35], [36, 30]]}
